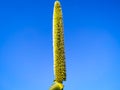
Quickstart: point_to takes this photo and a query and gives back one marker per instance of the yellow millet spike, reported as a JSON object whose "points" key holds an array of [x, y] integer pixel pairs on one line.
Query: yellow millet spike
{"points": [[58, 44], [57, 86]]}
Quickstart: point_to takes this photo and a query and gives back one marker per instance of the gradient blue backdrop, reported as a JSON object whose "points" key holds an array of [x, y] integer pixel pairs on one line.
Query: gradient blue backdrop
{"points": [[92, 44]]}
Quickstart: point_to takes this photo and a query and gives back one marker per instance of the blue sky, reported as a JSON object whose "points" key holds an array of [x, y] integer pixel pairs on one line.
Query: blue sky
{"points": [[92, 44]]}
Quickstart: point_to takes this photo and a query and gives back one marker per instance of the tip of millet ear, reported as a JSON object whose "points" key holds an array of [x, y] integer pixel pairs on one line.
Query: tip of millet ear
{"points": [[57, 2]]}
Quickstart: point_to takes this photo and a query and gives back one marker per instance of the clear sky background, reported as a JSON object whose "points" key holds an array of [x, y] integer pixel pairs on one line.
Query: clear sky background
{"points": [[92, 44]]}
